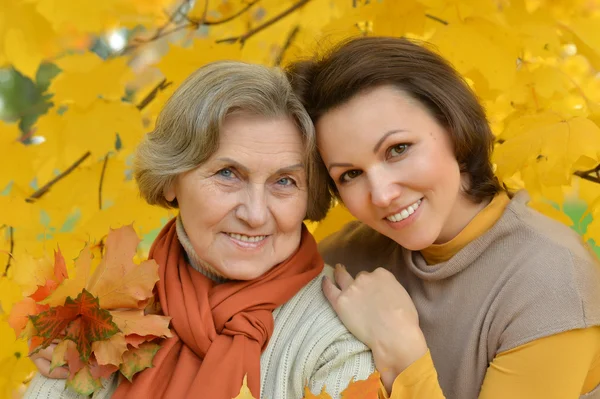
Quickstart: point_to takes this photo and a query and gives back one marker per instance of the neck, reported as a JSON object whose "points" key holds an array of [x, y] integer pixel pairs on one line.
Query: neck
{"points": [[193, 258], [462, 214]]}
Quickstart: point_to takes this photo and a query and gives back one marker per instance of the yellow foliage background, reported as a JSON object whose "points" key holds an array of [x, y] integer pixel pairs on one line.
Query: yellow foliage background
{"points": [[67, 179]]}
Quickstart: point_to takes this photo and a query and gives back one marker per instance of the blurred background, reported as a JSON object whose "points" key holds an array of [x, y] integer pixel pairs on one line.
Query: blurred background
{"points": [[81, 82]]}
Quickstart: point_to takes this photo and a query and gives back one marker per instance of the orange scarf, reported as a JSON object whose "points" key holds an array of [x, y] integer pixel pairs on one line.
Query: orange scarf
{"points": [[219, 330]]}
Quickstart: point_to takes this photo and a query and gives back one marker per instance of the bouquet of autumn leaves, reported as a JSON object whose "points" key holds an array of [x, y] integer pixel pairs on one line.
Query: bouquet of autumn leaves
{"points": [[102, 321]]}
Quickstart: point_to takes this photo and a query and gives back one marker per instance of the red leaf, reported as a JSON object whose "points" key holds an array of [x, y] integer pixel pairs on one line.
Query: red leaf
{"points": [[51, 323], [102, 370], [92, 323], [82, 321]]}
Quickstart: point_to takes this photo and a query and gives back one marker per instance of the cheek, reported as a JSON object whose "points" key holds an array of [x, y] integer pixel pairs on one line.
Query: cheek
{"points": [[290, 213]]}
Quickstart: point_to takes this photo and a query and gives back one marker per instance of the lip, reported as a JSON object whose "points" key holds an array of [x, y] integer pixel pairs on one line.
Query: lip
{"points": [[245, 245], [409, 220], [403, 207]]}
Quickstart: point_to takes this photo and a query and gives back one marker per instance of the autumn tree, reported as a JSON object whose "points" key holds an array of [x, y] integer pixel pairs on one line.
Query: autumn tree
{"points": [[94, 74]]}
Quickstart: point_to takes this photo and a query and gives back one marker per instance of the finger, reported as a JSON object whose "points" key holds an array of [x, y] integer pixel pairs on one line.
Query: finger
{"points": [[330, 291], [45, 353], [43, 367], [342, 277]]}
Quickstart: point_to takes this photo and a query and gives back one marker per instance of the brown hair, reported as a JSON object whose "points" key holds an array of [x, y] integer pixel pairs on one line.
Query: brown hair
{"points": [[188, 128], [360, 64]]}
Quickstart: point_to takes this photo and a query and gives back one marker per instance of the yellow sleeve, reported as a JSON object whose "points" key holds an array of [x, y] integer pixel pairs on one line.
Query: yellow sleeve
{"points": [[419, 380], [564, 365]]}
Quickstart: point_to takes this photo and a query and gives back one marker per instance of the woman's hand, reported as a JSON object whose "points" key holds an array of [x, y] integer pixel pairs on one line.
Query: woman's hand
{"points": [[379, 312], [42, 360]]}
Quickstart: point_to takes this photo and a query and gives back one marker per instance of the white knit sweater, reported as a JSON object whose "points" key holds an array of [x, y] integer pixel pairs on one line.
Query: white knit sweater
{"points": [[309, 347]]}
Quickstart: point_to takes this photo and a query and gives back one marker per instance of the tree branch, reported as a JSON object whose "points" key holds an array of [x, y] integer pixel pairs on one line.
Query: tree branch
{"points": [[242, 39], [287, 44], [10, 252], [190, 24], [441, 21], [102, 181], [589, 174], [163, 84], [43, 190]]}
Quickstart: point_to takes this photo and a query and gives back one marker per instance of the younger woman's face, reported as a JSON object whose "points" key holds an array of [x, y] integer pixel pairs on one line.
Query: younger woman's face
{"points": [[394, 167]]}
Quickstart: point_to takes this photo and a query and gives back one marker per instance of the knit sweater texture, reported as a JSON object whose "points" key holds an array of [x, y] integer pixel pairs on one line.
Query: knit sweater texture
{"points": [[309, 347], [526, 278]]}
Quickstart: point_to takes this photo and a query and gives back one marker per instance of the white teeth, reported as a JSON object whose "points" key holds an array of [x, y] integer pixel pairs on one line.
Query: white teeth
{"points": [[246, 238], [404, 213]]}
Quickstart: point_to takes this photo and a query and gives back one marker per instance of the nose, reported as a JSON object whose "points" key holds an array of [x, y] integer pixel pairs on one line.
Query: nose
{"points": [[384, 188], [253, 208]]}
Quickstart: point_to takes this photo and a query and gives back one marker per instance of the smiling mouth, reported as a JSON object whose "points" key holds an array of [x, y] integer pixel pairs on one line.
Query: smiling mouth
{"points": [[247, 239], [404, 213]]}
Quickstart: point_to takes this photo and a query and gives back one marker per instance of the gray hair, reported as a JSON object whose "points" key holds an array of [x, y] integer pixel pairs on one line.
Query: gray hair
{"points": [[188, 128]]}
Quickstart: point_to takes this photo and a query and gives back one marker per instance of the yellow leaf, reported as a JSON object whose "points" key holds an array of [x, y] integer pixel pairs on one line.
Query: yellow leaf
{"points": [[86, 77], [180, 62], [58, 354], [481, 45], [244, 390], [26, 37], [95, 129]]}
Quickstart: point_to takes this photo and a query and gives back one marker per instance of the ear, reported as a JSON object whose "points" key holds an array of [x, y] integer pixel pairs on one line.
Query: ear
{"points": [[169, 192]]}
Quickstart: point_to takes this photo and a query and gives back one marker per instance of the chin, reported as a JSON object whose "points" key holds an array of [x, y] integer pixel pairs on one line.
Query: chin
{"points": [[416, 243]]}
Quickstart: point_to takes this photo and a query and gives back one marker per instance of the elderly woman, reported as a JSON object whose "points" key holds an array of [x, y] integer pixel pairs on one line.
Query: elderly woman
{"points": [[240, 275]]}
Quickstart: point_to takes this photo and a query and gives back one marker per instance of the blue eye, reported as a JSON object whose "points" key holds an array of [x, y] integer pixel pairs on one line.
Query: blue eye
{"points": [[226, 172], [285, 181]]}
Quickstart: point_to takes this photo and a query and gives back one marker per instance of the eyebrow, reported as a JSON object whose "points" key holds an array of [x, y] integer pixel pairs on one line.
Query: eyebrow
{"points": [[339, 165], [291, 168], [385, 136]]}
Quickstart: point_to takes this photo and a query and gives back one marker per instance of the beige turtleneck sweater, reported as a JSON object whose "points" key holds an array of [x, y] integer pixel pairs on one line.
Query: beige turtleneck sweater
{"points": [[493, 304], [309, 347]]}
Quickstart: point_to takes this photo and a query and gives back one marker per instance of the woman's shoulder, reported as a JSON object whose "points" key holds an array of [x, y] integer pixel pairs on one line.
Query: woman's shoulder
{"points": [[542, 231], [357, 246]]}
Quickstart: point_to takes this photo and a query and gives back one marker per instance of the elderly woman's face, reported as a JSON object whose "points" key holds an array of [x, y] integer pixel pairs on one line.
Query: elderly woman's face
{"points": [[243, 208]]}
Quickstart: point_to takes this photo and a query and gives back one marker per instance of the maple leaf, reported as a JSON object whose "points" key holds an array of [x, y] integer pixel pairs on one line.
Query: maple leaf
{"points": [[110, 351], [80, 320], [119, 282], [59, 355], [363, 389], [138, 359], [136, 322], [72, 287], [83, 382], [309, 395]]}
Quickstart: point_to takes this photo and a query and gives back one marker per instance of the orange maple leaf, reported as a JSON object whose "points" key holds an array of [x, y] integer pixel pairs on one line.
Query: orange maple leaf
{"points": [[363, 389], [309, 395]]}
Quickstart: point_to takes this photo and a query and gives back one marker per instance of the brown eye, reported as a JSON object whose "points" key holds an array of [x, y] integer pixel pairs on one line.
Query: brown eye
{"points": [[349, 175], [398, 150]]}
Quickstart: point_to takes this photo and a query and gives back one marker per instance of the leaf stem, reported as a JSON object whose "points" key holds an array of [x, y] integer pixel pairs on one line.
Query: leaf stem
{"points": [[102, 181]]}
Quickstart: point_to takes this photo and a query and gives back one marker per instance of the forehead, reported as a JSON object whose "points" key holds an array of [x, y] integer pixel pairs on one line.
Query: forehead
{"points": [[254, 138]]}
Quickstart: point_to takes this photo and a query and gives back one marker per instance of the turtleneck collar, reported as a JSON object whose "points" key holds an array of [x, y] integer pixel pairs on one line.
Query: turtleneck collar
{"points": [[193, 258]]}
